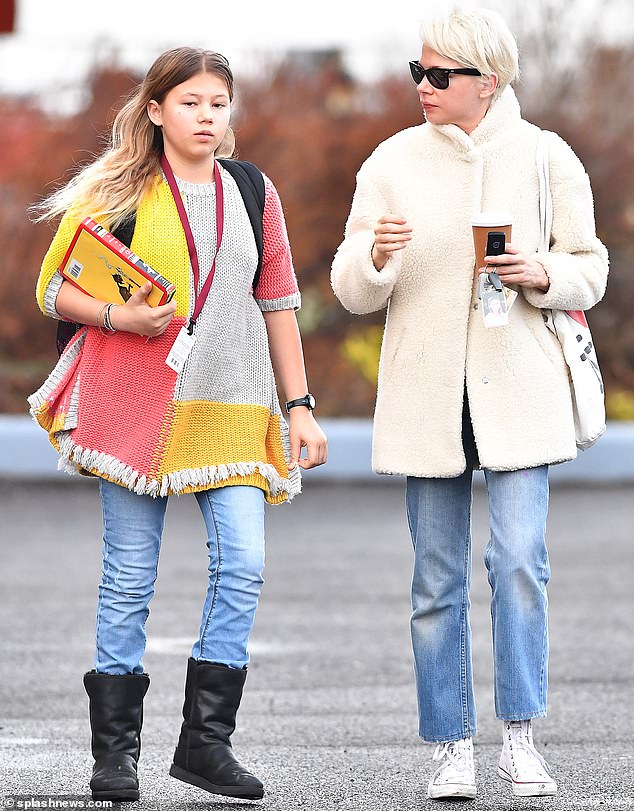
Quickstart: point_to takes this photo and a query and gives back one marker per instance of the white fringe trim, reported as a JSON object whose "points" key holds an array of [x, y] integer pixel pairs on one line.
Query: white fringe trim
{"points": [[72, 415], [294, 476], [74, 457], [61, 369]]}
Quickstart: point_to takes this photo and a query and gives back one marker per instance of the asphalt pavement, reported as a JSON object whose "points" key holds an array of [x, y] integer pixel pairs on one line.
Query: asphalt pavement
{"points": [[328, 719]]}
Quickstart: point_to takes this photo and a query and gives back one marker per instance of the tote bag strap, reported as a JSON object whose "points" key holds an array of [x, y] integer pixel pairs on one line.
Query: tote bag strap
{"points": [[545, 196]]}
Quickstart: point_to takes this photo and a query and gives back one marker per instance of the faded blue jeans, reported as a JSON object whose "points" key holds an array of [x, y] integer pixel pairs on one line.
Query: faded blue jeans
{"points": [[439, 515], [133, 528]]}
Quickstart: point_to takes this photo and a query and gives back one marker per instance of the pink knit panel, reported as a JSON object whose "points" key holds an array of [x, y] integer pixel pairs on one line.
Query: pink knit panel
{"points": [[125, 392], [278, 277]]}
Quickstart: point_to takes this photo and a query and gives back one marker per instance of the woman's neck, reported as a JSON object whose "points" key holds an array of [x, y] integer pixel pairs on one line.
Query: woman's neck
{"points": [[477, 119]]}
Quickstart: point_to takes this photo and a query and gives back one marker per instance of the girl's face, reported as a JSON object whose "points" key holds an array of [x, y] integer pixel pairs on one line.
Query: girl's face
{"points": [[194, 117]]}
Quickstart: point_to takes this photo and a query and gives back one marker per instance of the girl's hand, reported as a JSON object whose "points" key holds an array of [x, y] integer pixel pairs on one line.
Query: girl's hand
{"points": [[305, 433], [514, 268], [137, 316], [392, 233]]}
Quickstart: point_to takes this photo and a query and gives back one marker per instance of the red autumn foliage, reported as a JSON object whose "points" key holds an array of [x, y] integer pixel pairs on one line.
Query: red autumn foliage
{"points": [[7, 16], [309, 127]]}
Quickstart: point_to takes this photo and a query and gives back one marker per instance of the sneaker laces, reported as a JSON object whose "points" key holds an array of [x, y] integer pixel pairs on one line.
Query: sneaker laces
{"points": [[522, 741], [455, 751]]}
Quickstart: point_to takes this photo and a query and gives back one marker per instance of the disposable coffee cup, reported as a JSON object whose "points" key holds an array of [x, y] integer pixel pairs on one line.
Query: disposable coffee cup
{"points": [[485, 222]]}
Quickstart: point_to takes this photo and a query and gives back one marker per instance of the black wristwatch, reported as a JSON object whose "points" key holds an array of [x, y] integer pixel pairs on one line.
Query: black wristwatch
{"points": [[308, 400]]}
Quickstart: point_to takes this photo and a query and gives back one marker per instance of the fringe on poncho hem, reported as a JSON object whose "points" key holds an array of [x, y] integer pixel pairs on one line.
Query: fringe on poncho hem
{"points": [[74, 459], [64, 365]]}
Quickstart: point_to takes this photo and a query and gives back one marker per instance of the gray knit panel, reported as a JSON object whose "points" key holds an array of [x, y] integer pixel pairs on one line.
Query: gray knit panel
{"points": [[292, 302], [230, 361], [50, 295]]}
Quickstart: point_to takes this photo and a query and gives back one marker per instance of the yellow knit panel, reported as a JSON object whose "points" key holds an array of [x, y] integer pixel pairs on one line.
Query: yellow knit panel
{"points": [[159, 240], [48, 421], [274, 449], [208, 434], [53, 258]]}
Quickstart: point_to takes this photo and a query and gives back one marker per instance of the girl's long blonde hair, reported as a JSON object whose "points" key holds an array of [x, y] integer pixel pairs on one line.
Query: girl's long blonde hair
{"points": [[112, 187]]}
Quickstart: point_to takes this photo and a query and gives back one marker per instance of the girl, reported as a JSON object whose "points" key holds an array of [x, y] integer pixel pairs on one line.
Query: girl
{"points": [[209, 424]]}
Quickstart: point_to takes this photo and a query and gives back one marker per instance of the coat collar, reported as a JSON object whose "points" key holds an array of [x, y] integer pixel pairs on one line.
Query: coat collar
{"points": [[503, 114]]}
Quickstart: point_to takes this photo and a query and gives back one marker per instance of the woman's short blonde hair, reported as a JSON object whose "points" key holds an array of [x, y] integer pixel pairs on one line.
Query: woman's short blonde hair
{"points": [[477, 39]]}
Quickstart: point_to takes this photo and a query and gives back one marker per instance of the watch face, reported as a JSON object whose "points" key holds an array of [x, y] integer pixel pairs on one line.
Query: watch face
{"points": [[311, 401]]}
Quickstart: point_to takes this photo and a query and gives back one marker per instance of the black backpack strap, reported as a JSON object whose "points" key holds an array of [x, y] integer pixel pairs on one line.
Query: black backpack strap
{"points": [[250, 183], [125, 230], [66, 330]]}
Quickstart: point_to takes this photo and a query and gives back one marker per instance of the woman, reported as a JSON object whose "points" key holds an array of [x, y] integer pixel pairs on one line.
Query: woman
{"points": [[454, 394], [179, 398]]}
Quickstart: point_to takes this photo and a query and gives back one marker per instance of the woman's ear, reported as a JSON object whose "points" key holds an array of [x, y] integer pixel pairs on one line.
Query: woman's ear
{"points": [[154, 112], [489, 86]]}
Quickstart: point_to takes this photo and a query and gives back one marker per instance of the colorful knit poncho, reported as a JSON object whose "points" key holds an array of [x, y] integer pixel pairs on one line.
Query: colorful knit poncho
{"points": [[114, 409]]}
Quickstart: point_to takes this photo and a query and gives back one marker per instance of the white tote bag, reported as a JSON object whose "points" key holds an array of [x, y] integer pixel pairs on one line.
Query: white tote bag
{"points": [[572, 331]]}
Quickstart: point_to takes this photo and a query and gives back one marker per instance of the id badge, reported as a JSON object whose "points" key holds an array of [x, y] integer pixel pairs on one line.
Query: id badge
{"points": [[494, 303], [180, 350], [510, 295]]}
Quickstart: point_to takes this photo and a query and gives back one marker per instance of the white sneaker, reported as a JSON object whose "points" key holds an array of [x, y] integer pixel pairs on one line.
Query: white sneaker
{"points": [[521, 764], [456, 775]]}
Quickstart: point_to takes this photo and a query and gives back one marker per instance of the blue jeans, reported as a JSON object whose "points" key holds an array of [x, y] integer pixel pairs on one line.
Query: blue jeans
{"points": [[439, 515], [133, 527]]}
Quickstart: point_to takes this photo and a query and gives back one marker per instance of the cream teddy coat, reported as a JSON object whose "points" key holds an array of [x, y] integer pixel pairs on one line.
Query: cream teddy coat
{"points": [[435, 341]]}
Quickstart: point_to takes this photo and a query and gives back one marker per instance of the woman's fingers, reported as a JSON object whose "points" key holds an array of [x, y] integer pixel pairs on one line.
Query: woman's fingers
{"points": [[388, 247], [391, 233], [389, 227], [395, 236], [514, 267]]}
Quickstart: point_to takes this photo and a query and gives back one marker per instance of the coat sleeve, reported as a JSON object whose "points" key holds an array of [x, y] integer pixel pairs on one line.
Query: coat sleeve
{"points": [[358, 285], [577, 263]]}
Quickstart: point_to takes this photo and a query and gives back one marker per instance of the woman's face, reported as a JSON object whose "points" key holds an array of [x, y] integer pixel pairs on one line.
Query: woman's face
{"points": [[194, 117], [464, 103]]}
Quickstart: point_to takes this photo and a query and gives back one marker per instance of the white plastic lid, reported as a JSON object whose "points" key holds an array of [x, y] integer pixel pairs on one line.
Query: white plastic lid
{"points": [[491, 219]]}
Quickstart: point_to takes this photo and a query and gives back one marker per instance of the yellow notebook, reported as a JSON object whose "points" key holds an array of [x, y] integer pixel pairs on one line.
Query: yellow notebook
{"points": [[104, 268]]}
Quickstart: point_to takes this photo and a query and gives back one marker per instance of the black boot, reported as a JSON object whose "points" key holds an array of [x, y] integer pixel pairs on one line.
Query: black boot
{"points": [[204, 756], [116, 717]]}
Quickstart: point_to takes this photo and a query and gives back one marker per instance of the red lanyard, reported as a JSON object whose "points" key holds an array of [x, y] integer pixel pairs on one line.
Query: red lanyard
{"points": [[200, 296]]}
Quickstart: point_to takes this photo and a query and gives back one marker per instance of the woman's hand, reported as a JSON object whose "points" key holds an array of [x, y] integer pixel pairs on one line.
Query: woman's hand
{"points": [[137, 316], [392, 233], [305, 433], [514, 268]]}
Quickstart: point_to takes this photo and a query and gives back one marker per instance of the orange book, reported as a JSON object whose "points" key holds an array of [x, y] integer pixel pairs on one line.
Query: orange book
{"points": [[104, 268]]}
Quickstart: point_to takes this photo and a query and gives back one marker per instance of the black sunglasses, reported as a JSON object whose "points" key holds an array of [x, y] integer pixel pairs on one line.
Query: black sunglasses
{"points": [[438, 77]]}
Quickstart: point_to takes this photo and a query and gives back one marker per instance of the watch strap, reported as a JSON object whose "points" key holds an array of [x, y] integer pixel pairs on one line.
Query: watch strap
{"points": [[307, 400]]}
